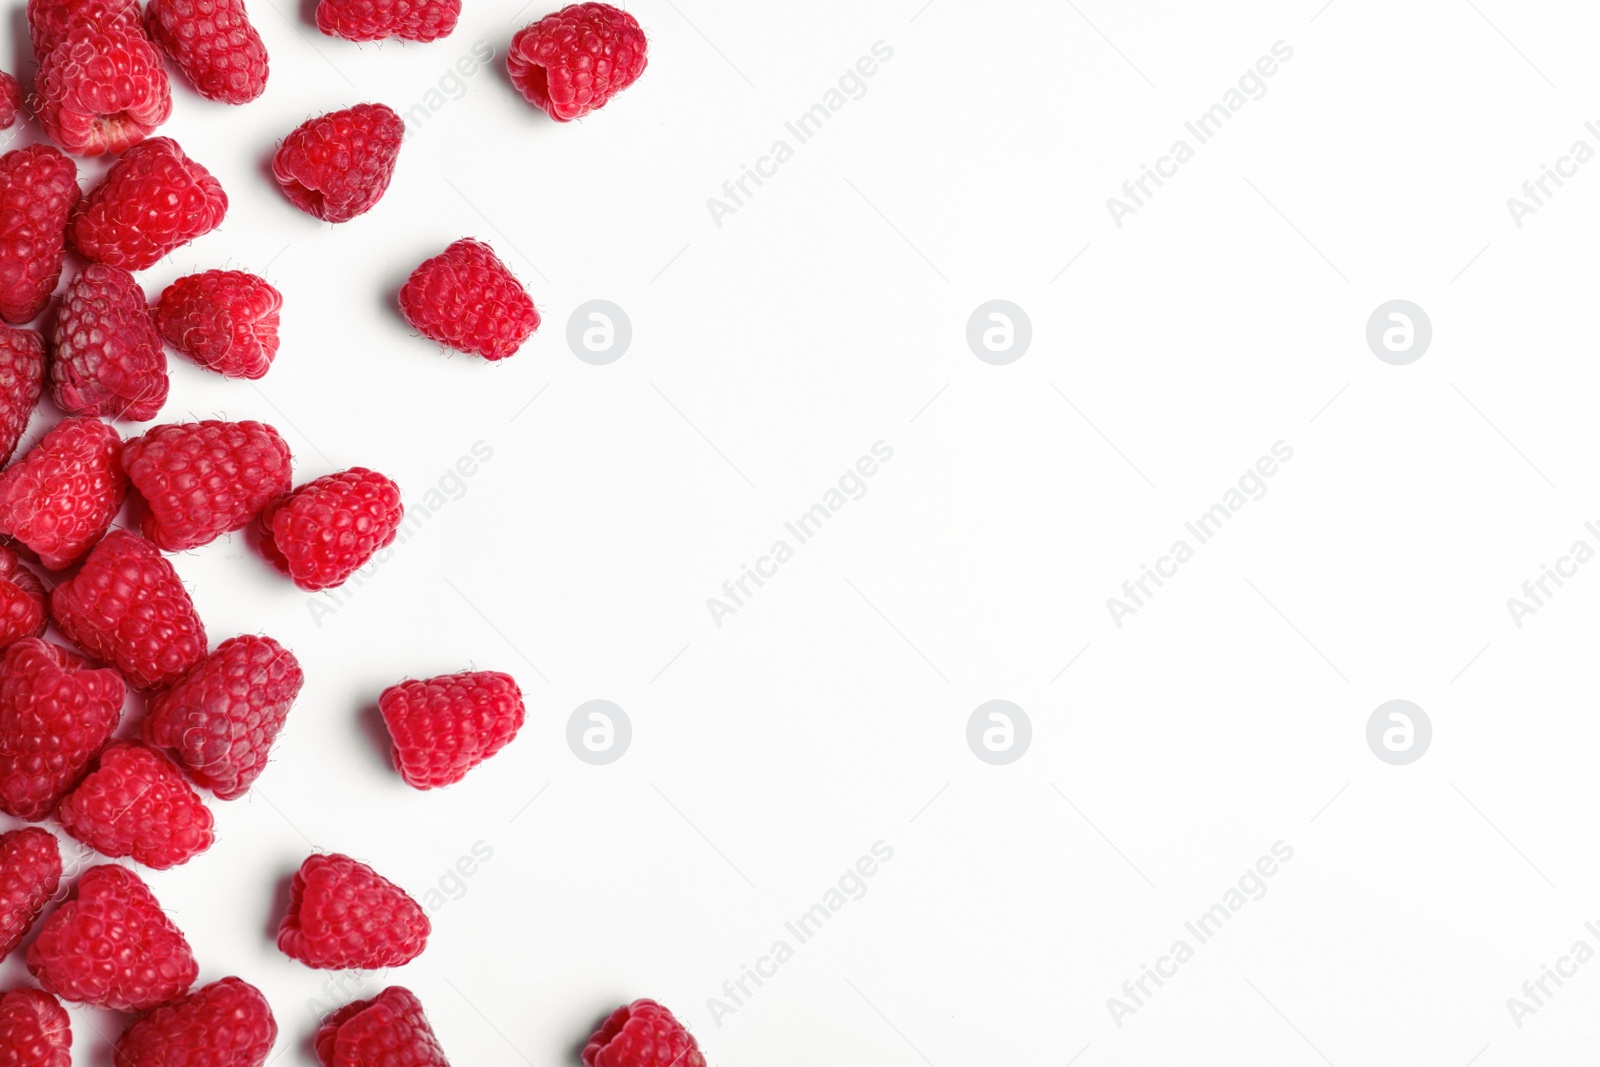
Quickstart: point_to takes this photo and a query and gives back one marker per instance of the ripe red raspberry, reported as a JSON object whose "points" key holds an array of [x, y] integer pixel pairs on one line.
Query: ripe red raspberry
{"points": [[21, 382], [642, 1034], [102, 90], [111, 945], [574, 61], [214, 45], [224, 320], [200, 480], [373, 20], [444, 727], [389, 1028], [22, 602], [34, 1030], [38, 190], [10, 100], [225, 1024], [466, 298], [323, 531], [337, 166], [46, 693], [30, 874], [221, 718], [49, 21], [61, 496], [126, 607], [343, 914], [153, 199], [108, 357], [136, 803]]}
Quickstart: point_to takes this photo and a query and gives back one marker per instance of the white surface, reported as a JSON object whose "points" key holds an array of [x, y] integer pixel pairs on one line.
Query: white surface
{"points": [[822, 317]]}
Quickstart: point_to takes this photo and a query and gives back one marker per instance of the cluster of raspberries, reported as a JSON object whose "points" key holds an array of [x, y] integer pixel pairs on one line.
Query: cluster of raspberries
{"points": [[210, 715]]}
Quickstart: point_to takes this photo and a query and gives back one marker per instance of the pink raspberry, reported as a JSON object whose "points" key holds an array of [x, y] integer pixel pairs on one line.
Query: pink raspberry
{"points": [[466, 298], [108, 357], [102, 90], [389, 1028], [443, 727], [30, 873], [61, 496], [46, 692], [10, 100], [136, 803], [200, 480], [337, 166], [224, 320], [153, 199], [49, 21], [574, 61], [38, 190], [214, 45], [642, 1034], [225, 1024], [22, 602], [343, 915], [21, 382], [34, 1030], [321, 533], [373, 20]]}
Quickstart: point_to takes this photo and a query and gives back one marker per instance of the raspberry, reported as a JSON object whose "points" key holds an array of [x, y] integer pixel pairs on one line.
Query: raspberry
{"points": [[108, 357], [390, 1028], [214, 45], [111, 945], [337, 166], [224, 320], [373, 20], [200, 480], [225, 1024], [21, 382], [136, 803], [321, 533], [574, 61], [642, 1034], [444, 727], [102, 89], [221, 718], [153, 199], [22, 603], [54, 716], [61, 496], [49, 21], [38, 190], [10, 100], [127, 607], [466, 298], [343, 914], [30, 874], [34, 1030]]}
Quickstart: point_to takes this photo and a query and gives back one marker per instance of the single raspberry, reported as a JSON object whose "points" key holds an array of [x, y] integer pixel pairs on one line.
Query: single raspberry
{"points": [[337, 166], [34, 1030], [108, 357], [321, 533], [38, 190], [466, 298], [343, 914], [373, 20], [389, 1028], [55, 714], [22, 602], [111, 945], [102, 90], [61, 496], [127, 607], [200, 480], [30, 874], [574, 61], [10, 100], [135, 802], [49, 21], [224, 320], [642, 1034], [225, 1024], [214, 45], [21, 382], [152, 200], [443, 727], [221, 718]]}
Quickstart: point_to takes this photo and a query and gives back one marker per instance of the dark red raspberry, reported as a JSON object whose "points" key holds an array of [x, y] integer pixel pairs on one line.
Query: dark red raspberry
{"points": [[61, 496], [343, 914], [38, 190], [214, 45], [466, 298], [44, 694], [136, 803], [49, 21], [153, 199], [111, 945], [108, 358], [21, 382], [22, 602], [574, 61], [373, 20], [30, 874], [444, 727], [321, 533], [225, 1024], [34, 1030], [389, 1029], [102, 90], [642, 1034], [200, 480], [221, 718], [337, 166], [224, 320], [127, 607], [10, 100]]}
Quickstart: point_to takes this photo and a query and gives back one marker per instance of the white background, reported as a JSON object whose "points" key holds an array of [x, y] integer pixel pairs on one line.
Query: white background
{"points": [[829, 313]]}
